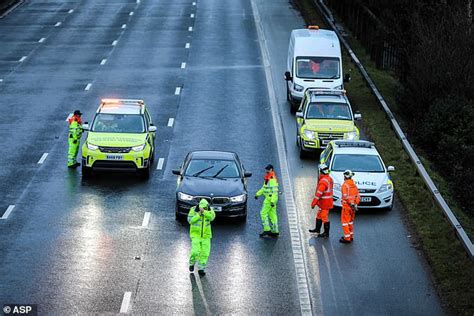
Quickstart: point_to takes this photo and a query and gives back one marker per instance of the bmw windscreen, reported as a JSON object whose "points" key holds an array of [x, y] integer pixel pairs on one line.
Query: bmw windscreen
{"points": [[330, 111], [357, 163], [318, 67], [118, 123], [212, 168]]}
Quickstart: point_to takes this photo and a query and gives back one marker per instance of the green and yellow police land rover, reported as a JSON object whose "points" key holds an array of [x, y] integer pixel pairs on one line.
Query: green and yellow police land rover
{"points": [[324, 115], [121, 137]]}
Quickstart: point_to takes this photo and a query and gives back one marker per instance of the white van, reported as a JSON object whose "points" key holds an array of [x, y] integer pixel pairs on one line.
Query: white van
{"points": [[314, 61]]}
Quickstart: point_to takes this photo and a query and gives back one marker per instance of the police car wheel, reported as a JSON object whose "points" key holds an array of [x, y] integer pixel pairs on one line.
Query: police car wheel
{"points": [[86, 172]]}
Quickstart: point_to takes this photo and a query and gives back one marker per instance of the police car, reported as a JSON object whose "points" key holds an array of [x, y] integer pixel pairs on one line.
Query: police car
{"points": [[371, 176]]}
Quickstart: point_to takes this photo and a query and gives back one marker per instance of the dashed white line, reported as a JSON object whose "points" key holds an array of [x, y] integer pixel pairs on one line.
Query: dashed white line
{"points": [[68, 117], [131, 13], [125, 302], [192, 15], [8, 211], [124, 26], [103, 61], [183, 65], [187, 45], [146, 219], [42, 159], [190, 29], [114, 43], [194, 3], [42, 40], [22, 59], [89, 85], [138, 1], [57, 24], [170, 122], [177, 91], [1, 80], [70, 11], [161, 161]]}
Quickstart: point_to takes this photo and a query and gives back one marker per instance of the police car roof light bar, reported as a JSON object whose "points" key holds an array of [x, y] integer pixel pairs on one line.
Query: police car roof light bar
{"points": [[362, 144], [327, 91]]}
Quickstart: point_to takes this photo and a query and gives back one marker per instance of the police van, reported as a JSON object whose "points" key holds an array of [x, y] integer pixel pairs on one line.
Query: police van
{"points": [[314, 60]]}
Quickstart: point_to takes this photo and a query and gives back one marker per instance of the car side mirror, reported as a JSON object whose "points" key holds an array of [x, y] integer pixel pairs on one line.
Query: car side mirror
{"points": [[247, 174], [288, 76], [391, 168], [152, 128], [347, 78], [299, 114], [176, 172], [357, 116], [85, 126]]}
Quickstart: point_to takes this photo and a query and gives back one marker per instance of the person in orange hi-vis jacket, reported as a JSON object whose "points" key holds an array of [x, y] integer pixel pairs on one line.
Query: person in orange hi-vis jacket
{"points": [[323, 199], [350, 200]]}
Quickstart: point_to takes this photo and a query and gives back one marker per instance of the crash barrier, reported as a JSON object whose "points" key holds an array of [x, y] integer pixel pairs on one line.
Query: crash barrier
{"points": [[466, 242]]}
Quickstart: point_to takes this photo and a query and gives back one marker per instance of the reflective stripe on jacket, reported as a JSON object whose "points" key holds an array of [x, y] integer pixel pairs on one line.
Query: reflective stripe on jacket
{"points": [[350, 193], [324, 192], [269, 190], [200, 225], [75, 130]]}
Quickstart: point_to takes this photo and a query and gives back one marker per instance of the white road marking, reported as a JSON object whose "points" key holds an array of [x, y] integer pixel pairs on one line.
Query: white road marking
{"points": [[192, 15], [170, 122], [8, 211], [291, 210], [124, 26], [68, 117], [146, 219], [161, 161], [177, 91], [42, 40], [57, 24], [103, 61], [131, 13], [43, 158], [114, 43], [22, 59], [1, 80], [187, 45], [138, 1], [89, 85], [70, 11], [194, 3], [190, 29], [125, 302], [183, 65]]}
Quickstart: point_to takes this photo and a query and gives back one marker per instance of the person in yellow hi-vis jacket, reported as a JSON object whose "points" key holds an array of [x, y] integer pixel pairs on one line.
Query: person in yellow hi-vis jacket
{"points": [[201, 234], [74, 139], [269, 208]]}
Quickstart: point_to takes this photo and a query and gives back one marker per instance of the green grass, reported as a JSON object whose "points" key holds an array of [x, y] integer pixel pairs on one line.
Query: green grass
{"points": [[452, 270]]}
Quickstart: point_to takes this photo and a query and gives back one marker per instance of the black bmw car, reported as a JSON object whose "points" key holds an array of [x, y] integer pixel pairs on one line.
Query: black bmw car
{"points": [[217, 176]]}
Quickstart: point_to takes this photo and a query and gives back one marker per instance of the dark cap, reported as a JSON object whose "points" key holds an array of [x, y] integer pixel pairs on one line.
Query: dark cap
{"points": [[77, 112], [269, 167]]}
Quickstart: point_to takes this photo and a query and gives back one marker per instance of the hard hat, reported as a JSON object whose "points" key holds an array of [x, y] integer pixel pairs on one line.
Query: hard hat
{"points": [[348, 174], [269, 167], [203, 204], [324, 168], [77, 112]]}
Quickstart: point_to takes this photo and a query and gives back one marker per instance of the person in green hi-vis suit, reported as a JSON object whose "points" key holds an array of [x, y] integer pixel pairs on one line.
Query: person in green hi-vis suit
{"points": [[201, 233], [269, 208], [74, 139]]}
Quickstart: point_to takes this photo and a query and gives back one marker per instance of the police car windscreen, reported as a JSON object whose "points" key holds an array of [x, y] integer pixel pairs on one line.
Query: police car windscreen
{"points": [[360, 163], [318, 67], [330, 111], [118, 123], [212, 168]]}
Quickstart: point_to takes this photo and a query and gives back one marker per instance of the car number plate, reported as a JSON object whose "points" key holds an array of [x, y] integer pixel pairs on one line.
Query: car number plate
{"points": [[366, 199], [217, 208], [114, 157]]}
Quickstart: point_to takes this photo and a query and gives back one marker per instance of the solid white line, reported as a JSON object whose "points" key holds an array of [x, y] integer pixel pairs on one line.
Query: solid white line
{"points": [[8, 211], [177, 91], [183, 65], [57, 24], [146, 219], [131, 13], [124, 26], [170, 122], [125, 302], [68, 117], [187, 45], [295, 234], [190, 29], [43, 158], [89, 85], [70, 11], [103, 61], [42, 40], [22, 59], [192, 15], [114, 43], [161, 161]]}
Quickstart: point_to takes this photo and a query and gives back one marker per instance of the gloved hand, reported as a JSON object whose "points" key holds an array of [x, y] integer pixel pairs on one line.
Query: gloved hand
{"points": [[272, 204], [314, 203], [256, 197], [354, 207], [74, 141]]}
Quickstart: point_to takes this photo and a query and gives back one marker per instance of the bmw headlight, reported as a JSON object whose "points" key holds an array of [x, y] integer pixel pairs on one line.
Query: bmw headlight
{"points": [[185, 197], [92, 147], [238, 198], [139, 147], [385, 187], [309, 134], [336, 187], [350, 135], [297, 87]]}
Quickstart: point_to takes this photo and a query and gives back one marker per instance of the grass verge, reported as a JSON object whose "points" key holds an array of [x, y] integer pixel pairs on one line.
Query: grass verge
{"points": [[452, 270]]}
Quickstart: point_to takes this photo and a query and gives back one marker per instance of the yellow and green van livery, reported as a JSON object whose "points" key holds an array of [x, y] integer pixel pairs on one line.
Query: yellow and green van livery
{"points": [[121, 137], [324, 115]]}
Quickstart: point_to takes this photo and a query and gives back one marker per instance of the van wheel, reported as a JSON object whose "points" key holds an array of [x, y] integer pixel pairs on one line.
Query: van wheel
{"points": [[288, 98], [293, 107]]}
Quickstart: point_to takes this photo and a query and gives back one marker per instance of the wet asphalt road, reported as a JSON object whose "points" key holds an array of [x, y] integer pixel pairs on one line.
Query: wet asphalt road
{"points": [[74, 246]]}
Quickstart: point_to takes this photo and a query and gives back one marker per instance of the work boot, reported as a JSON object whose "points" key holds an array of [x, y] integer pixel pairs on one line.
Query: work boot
{"points": [[266, 233], [275, 234], [201, 273], [317, 229], [344, 241], [77, 164], [327, 226], [191, 268]]}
